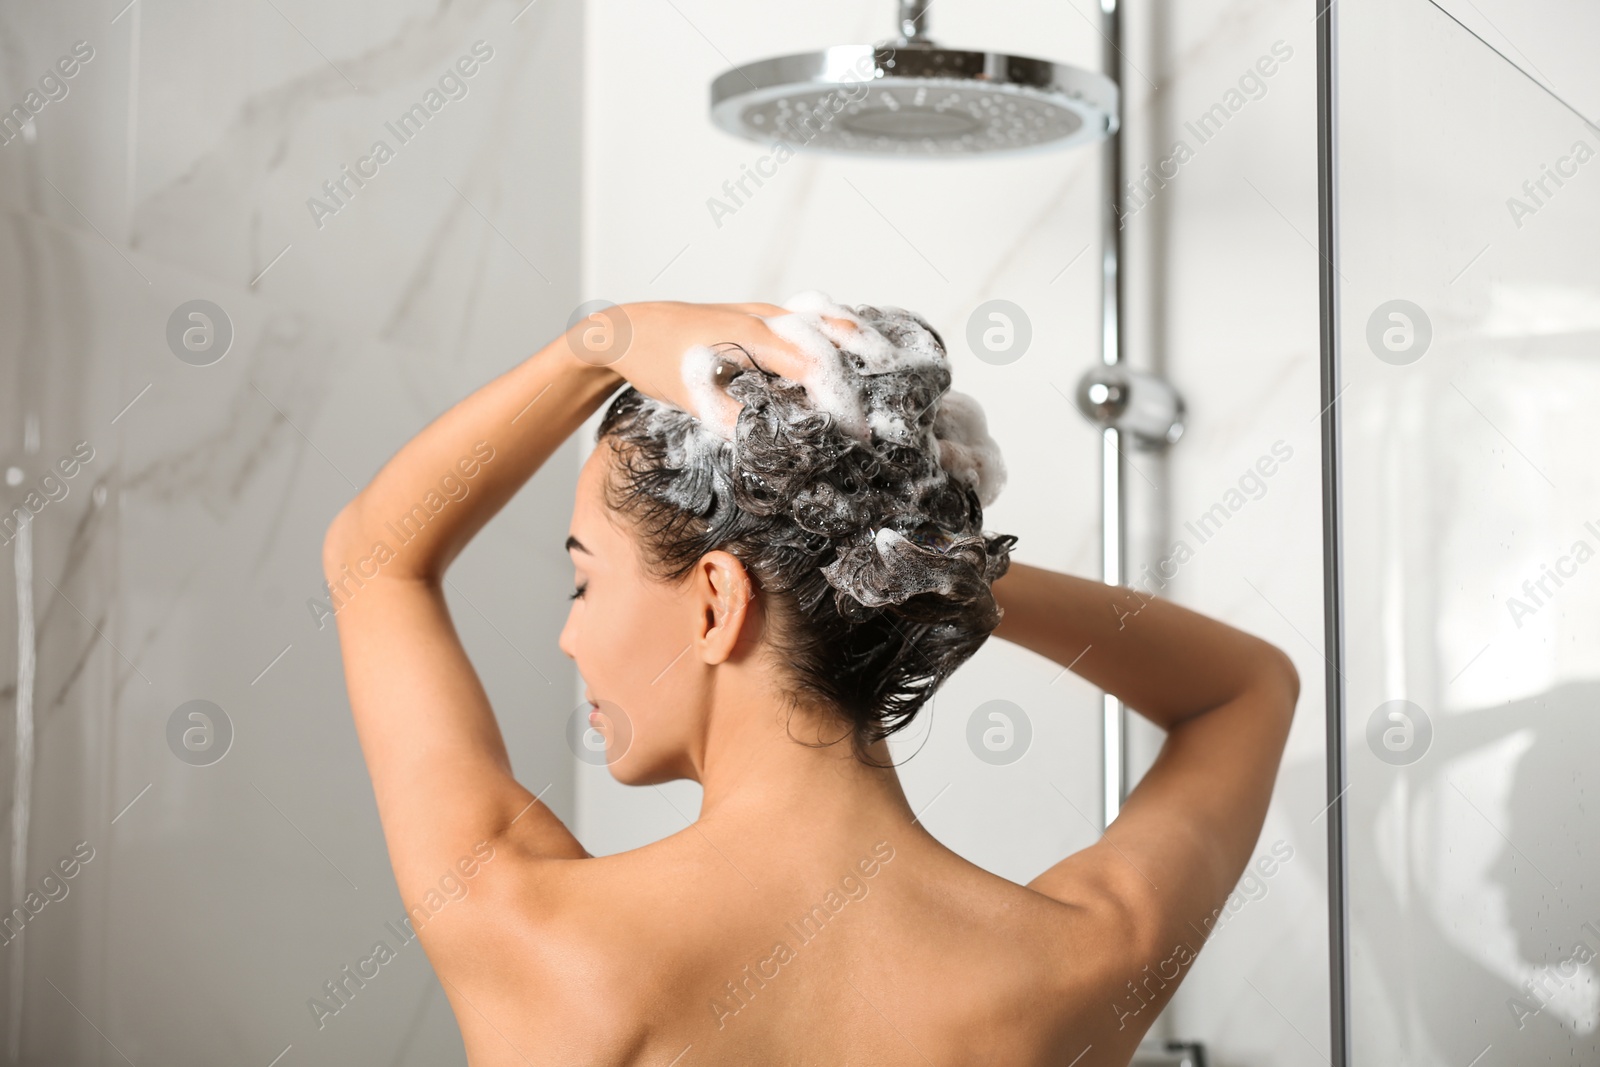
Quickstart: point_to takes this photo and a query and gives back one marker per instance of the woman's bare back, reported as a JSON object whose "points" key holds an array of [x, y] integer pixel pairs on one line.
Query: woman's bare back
{"points": [[888, 949]]}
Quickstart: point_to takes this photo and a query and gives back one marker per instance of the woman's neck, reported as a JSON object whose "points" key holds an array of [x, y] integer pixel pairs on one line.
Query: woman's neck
{"points": [[781, 768]]}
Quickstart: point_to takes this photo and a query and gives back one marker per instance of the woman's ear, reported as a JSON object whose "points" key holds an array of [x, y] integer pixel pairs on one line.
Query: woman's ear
{"points": [[727, 607]]}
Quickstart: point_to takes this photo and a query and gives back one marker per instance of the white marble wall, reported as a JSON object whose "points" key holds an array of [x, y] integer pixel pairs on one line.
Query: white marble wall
{"points": [[1222, 297], [179, 564]]}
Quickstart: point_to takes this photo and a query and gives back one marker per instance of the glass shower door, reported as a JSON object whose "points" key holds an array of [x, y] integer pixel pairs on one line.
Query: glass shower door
{"points": [[1469, 200]]}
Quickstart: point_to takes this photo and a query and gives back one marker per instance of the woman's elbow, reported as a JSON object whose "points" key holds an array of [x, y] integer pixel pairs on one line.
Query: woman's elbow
{"points": [[336, 540], [1280, 672]]}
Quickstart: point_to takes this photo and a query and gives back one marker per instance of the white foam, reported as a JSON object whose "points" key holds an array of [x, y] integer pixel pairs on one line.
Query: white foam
{"points": [[717, 411], [829, 381], [817, 300], [839, 359], [887, 424], [884, 537], [877, 354], [965, 448]]}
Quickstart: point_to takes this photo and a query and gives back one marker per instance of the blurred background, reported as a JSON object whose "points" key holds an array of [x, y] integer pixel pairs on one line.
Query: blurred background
{"points": [[225, 867]]}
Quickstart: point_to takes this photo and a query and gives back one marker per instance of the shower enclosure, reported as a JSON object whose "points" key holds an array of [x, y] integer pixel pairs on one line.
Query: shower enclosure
{"points": [[1460, 209]]}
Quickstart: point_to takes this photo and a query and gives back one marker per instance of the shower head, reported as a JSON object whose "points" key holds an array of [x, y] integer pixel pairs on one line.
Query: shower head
{"points": [[908, 96]]}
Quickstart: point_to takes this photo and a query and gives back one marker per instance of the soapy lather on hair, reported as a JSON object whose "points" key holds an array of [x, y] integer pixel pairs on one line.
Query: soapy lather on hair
{"points": [[843, 364]]}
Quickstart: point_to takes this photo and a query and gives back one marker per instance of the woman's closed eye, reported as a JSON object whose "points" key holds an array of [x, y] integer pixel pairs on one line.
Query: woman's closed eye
{"points": [[578, 591]]}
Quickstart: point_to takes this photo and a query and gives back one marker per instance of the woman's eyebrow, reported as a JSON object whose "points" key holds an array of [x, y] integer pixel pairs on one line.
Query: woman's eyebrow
{"points": [[573, 542]]}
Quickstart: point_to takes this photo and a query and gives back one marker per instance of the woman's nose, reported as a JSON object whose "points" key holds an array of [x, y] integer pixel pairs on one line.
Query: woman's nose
{"points": [[565, 641]]}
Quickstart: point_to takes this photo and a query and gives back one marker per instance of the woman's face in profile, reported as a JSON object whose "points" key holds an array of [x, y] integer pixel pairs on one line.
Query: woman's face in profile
{"points": [[627, 632]]}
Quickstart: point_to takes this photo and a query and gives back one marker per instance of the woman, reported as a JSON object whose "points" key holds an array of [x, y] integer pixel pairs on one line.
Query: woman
{"points": [[779, 556]]}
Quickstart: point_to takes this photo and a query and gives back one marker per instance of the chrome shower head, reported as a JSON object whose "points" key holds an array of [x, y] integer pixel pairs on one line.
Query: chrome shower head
{"points": [[910, 97]]}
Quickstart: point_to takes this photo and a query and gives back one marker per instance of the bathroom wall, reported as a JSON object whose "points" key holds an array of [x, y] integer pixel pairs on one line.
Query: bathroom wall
{"points": [[1222, 271], [218, 884]]}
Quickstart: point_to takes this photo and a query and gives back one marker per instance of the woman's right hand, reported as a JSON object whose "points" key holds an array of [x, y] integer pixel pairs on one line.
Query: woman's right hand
{"points": [[646, 344]]}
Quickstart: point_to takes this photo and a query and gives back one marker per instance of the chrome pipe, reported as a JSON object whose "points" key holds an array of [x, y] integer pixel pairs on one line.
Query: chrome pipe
{"points": [[1332, 547], [1113, 504], [913, 20]]}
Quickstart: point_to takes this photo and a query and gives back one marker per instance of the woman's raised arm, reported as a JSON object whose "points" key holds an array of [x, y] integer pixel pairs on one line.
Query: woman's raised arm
{"points": [[1153, 882], [439, 766]]}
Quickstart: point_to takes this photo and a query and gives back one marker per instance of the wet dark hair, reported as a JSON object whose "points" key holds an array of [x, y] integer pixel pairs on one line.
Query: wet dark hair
{"points": [[869, 557]]}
